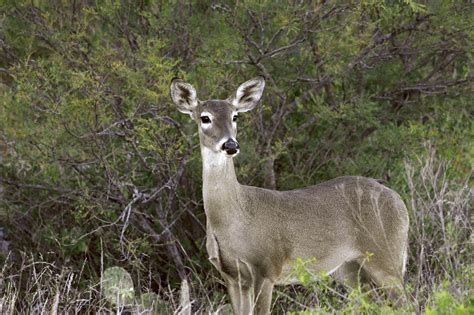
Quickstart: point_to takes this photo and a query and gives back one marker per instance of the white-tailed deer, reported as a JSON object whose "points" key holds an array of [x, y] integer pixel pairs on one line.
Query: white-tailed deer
{"points": [[353, 227]]}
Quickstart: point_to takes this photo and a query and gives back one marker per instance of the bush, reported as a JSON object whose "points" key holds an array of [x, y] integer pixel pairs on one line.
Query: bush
{"points": [[98, 169]]}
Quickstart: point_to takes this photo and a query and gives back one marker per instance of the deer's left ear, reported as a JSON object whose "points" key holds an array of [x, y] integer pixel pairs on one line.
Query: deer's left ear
{"points": [[248, 94]]}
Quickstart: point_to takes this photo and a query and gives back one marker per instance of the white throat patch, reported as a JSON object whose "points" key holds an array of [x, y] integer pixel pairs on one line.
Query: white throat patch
{"points": [[213, 159]]}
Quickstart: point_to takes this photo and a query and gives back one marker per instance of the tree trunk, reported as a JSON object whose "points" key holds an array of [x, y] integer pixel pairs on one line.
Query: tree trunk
{"points": [[269, 173]]}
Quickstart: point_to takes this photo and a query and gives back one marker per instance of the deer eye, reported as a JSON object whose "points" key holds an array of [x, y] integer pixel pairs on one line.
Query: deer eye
{"points": [[235, 118], [205, 120]]}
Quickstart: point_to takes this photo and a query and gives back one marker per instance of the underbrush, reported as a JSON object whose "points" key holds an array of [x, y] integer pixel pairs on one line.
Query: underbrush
{"points": [[439, 279]]}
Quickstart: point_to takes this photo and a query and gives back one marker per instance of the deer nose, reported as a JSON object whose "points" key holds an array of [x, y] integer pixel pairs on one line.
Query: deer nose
{"points": [[231, 147]]}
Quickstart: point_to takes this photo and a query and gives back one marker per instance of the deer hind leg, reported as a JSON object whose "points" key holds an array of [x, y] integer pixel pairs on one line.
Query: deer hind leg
{"points": [[386, 277], [351, 274]]}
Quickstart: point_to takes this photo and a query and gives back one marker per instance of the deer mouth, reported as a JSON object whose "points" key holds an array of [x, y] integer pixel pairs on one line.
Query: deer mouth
{"points": [[232, 152]]}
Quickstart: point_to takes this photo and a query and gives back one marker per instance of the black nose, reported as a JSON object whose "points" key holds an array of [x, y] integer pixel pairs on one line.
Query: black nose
{"points": [[230, 146]]}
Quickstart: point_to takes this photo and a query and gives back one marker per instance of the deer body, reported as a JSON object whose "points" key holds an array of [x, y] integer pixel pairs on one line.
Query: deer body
{"points": [[255, 235]]}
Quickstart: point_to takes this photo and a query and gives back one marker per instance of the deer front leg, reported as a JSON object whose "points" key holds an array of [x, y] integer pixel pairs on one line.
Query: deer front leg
{"points": [[240, 297], [263, 295], [246, 287]]}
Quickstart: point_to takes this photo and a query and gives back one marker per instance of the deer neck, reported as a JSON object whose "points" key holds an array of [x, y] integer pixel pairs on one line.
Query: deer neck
{"points": [[220, 187]]}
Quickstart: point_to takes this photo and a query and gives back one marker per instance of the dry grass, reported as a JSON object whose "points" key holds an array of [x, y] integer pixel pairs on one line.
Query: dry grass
{"points": [[439, 275]]}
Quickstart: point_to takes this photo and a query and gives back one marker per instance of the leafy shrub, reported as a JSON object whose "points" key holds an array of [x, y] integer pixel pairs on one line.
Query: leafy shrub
{"points": [[98, 168]]}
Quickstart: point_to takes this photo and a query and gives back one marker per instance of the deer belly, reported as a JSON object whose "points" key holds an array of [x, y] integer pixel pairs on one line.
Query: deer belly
{"points": [[299, 267]]}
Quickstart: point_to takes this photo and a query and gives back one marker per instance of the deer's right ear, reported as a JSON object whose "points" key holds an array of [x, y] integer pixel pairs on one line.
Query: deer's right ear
{"points": [[184, 96]]}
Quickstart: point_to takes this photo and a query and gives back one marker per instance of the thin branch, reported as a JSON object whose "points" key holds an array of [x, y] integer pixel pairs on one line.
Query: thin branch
{"points": [[282, 49], [35, 186]]}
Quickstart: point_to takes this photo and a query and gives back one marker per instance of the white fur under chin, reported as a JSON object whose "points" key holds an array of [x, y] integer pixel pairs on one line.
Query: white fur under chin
{"points": [[213, 159]]}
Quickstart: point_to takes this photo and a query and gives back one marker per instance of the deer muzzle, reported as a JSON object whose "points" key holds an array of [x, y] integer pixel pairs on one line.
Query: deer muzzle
{"points": [[231, 147]]}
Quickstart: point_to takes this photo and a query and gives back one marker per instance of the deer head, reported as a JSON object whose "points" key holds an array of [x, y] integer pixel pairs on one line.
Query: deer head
{"points": [[217, 119]]}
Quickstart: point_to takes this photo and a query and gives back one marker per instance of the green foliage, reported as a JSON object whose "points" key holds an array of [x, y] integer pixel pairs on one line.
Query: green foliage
{"points": [[118, 290], [445, 302], [98, 168], [117, 286]]}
